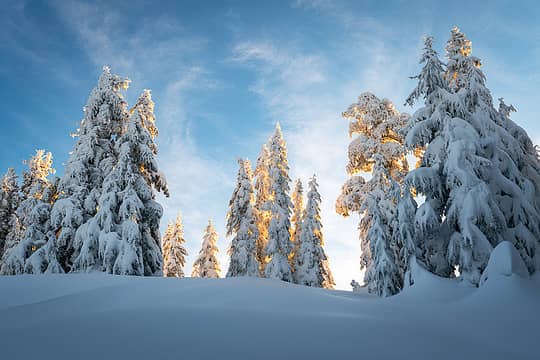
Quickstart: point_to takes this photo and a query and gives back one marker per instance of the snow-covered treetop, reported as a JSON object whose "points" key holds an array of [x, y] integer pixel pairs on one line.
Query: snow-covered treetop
{"points": [[39, 168], [241, 198], [145, 106], [431, 77], [378, 125]]}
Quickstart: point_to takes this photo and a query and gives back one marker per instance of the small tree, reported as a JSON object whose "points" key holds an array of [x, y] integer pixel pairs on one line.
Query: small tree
{"points": [[9, 202], [262, 196], [33, 218], [242, 222], [279, 244], [297, 214], [207, 265], [174, 252], [311, 262]]}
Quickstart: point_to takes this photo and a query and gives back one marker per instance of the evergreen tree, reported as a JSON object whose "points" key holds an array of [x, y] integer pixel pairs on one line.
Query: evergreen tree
{"points": [[476, 194], [33, 216], [91, 160], [9, 202], [279, 246], [174, 252], [262, 196], [207, 265], [311, 262], [378, 149], [297, 213], [242, 222], [123, 237]]}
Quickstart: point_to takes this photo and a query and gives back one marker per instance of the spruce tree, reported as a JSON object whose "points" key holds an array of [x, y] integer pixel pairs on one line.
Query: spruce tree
{"points": [[91, 160], [262, 195], [378, 149], [33, 214], [311, 262], [242, 223], [174, 252], [9, 202], [476, 194], [123, 237], [279, 246], [207, 265], [297, 214]]}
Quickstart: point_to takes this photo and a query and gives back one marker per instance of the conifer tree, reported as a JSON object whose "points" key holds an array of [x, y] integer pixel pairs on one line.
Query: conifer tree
{"points": [[262, 196], [33, 216], [91, 160], [378, 149], [242, 223], [174, 252], [279, 246], [297, 214], [123, 237], [468, 173], [207, 265], [311, 262], [9, 202]]}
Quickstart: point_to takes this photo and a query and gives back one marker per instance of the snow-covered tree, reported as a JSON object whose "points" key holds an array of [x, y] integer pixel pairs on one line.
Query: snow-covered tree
{"points": [[207, 265], [123, 237], [24, 254], [378, 149], [262, 195], [476, 195], [174, 252], [242, 223], [9, 202], [297, 213], [91, 160], [311, 263], [279, 246]]}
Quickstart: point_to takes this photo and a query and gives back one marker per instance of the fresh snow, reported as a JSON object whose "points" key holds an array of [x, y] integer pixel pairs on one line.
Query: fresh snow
{"points": [[98, 316]]}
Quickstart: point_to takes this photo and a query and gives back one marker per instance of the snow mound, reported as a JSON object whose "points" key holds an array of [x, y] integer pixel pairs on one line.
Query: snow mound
{"points": [[94, 316], [505, 261]]}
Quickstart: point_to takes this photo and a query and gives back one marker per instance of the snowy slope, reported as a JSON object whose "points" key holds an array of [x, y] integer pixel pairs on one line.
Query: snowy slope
{"points": [[114, 317]]}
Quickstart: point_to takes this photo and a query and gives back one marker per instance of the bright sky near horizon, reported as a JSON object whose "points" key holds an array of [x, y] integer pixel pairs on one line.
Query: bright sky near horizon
{"points": [[223, 72]]}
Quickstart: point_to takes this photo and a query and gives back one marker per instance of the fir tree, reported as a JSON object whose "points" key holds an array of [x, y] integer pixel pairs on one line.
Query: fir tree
{"points": [[242, 223], [207, 265], [91, 160], [297, 213], [33, 214], [174, 252], [279, 246], [311, 262], [9, 202], [123, 237], [262, 196], [378, 149]]}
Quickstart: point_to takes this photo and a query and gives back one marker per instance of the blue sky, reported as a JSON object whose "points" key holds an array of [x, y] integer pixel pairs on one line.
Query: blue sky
{"points": [[223, 72]]}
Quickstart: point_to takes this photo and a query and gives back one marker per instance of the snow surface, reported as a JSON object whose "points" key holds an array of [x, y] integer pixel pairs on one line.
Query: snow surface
{"points": [[97, 316]]}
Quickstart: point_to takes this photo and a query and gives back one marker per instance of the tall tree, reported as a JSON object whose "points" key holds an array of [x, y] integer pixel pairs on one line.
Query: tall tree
{"points": [[377, 149], [207, 264], [297, 214], [123, 237], [33, 219], [262, 196], [242, 223], [279, 244], [311, 262], [9, 202], [91, 160], [174, 252]]}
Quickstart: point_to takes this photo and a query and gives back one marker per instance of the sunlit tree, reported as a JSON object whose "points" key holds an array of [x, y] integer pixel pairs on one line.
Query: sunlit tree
{"points": [[279, 245], [262, 196], [174, 252], [377, 149], [297, 215], [207, 264]]}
